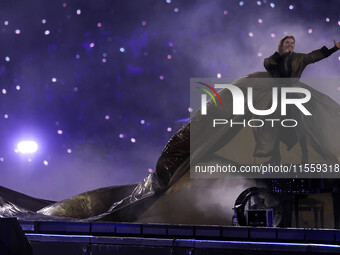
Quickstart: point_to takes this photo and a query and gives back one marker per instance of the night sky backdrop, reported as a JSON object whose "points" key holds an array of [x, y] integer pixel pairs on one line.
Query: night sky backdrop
{"points": [[102, 85]]}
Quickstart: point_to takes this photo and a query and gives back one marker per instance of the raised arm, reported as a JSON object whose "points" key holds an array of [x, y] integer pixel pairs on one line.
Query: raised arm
{"points": [[320, 54]]}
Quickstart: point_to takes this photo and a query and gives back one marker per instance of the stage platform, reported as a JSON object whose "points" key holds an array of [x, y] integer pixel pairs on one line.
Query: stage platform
{"points": [[126, 238]]}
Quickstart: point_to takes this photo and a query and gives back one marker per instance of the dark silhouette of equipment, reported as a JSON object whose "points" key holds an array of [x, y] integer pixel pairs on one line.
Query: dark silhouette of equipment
{"points": [[258, 200], [12, 239]]}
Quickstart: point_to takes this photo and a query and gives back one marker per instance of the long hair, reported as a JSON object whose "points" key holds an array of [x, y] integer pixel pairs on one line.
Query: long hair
{"points": [[279, 48]]}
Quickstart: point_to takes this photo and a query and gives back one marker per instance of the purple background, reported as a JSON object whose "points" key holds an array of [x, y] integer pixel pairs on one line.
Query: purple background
{"points": [[122, 71]]}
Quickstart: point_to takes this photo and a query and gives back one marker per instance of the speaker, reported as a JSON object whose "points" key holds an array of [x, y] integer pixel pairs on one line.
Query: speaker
{"points": [[260, 217], [12, 239]]}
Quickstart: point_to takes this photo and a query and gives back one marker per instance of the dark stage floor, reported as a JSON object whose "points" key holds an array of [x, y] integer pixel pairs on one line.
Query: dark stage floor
{"points": [[120, 238]]}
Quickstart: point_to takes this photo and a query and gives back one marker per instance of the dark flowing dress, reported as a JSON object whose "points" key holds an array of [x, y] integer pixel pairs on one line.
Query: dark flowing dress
{"points": [[128, 202], [322, 129]]}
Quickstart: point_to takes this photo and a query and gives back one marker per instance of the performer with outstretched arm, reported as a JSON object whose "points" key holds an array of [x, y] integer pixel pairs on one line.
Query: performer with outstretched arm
{"points": [[285, 63]]}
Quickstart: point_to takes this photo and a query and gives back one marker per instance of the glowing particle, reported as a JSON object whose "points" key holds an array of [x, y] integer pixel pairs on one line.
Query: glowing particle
{"points": [[6, 23], [121, 49], [75, 89], [328, 20], [339, 22], [170, 44], [143, 23], [121, 136], [169, 57], [251, 34], [310, 31], [6, 116], [161, 77], [219, 76], [150, 170], [7, 59], [17, 87], [4, 91], [107, 117], [225, 12], [104, 60], [291, 7], [241, 3], [47, 32], [259, 3], [64, 4], [43, 21], [169, 129], [272, 5], [142, 122], [2, 159], [69, 151], [259, 54], [260, 21], [104, 54], [168, 1], [272, 35], [54, 79], [29, 160], [45, 162], [339, 58], [17, 31], [189, 109], [60, 132], [27, 147], [78, 12], [77, 56], [133, 140], [99, 24], [92, 45], [176, 10]]}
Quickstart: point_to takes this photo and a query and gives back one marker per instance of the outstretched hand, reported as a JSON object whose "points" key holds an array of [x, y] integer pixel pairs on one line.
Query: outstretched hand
{"points": [[337, 44]]}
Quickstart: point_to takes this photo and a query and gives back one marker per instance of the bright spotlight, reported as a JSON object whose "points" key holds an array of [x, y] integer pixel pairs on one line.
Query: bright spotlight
{"points": [[26, 147]]}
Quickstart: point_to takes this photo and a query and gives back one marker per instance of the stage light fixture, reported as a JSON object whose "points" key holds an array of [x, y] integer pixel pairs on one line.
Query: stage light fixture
{"points": [[27, 147]]}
